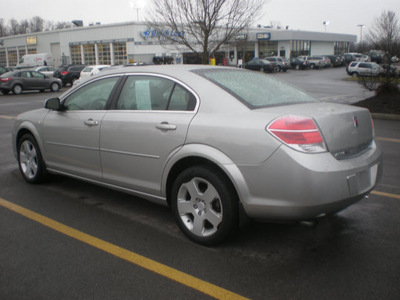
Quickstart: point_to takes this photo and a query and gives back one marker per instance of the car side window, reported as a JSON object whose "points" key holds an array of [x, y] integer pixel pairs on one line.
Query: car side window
{"points": [[93, 96], [38, 75], [154, 93], [181, 100], [26, 74], [145, 93]]}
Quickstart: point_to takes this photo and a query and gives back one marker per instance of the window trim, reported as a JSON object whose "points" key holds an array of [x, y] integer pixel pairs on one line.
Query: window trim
{"points": [[150, 74]]}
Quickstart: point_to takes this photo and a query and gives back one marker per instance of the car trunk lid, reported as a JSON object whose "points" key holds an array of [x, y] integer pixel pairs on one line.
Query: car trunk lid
{"points": [[347, 130]]}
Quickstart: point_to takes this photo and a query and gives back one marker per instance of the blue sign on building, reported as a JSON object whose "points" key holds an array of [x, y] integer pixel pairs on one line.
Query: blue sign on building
{"points": [[263, 36]]}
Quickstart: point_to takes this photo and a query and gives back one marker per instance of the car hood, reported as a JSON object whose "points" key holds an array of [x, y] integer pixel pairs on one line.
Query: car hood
{"points": [[347, 130]]}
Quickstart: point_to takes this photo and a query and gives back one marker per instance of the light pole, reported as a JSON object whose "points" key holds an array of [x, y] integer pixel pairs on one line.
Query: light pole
{"points": [[361, 35], [136, 5], [361, 30], [325, 23]]}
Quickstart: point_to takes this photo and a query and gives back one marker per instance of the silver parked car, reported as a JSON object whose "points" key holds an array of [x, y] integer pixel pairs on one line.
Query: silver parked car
{"points": [[208, 141]]}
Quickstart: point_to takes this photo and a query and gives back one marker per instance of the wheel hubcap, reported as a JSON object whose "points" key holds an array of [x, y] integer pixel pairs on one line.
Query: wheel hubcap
{"points": [[28, 159], [200, 207]]}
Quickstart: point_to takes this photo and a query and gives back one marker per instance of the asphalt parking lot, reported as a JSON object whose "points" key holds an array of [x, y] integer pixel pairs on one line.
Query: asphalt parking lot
{"points": [[72, 240]]}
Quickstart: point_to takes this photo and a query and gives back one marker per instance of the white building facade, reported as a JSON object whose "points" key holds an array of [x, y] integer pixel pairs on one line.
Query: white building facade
{"points": [[134, 42]]}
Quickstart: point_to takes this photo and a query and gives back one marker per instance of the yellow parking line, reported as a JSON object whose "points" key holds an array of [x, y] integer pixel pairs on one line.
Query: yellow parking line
{"points": [[395, 196], [389, 140], [7, 117], [141, 261]]}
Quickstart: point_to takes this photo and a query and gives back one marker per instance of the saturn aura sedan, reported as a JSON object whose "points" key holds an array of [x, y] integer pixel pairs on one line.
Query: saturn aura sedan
{"points": [[213, 143]]}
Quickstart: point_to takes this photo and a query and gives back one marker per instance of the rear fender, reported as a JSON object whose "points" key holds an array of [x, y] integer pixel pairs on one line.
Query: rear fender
{"points": [[214, 156]]}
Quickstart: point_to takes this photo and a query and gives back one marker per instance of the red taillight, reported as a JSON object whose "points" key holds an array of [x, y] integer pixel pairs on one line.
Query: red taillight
{"points": [[64, 73], [299, 133], [5, 79]]}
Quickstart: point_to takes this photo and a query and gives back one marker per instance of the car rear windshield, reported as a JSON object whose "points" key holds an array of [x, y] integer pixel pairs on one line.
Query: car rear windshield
{"points": [[255, 89]]}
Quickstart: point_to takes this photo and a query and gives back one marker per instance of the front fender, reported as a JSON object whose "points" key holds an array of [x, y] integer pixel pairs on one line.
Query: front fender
{"points": [[34, 126]]}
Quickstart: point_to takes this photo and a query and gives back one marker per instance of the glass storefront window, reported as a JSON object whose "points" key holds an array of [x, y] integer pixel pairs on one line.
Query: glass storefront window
{"points": [[76, 57], [267, 48], [3, 59], [90, 54], [341, 47], [32, 51], [300, 48], [120, 56], [22, 52], [12, 57], [104, 54]]}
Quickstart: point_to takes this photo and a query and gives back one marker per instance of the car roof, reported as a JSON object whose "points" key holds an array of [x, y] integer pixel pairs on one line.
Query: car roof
{"points": [[178, 71]]}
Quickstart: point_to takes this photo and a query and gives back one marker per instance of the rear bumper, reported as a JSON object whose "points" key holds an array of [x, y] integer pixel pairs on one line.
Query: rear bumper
{"points": [[297, 186]]}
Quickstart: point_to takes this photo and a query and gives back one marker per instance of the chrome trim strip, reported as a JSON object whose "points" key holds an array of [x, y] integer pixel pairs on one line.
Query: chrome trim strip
{"points": [[72, 146], [130, 153]]}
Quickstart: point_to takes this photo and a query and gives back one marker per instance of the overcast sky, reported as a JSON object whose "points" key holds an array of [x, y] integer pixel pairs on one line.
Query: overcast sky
{"points": [[308, 15]]}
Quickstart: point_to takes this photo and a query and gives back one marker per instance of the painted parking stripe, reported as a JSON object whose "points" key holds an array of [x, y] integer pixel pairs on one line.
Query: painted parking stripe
{"points": [[139, 260], [389, 195], [389, 140], [7, 117]]}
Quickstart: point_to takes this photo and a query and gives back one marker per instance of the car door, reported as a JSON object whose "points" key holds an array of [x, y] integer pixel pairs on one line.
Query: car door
{"points": [[39, 81], [148, 125], [71, 136], [27, 81]]}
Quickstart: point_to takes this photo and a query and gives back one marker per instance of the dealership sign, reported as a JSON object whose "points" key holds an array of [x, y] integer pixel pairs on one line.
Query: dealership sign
{"points": [[263, 36], [164, 34]]}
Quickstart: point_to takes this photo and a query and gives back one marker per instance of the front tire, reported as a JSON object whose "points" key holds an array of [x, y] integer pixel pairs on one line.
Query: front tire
{"points": [[205, 205], [30, 160]]}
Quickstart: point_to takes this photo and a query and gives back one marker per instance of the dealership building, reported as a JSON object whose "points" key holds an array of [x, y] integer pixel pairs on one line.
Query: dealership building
{"points": [[135, 42]]}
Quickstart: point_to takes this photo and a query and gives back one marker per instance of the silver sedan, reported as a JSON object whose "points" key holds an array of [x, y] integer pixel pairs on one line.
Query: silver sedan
{"points": [[214, 143]]}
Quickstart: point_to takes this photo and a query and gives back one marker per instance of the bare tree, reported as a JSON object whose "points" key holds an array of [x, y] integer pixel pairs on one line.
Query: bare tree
{"points": [[3, 28], [13, 27], [203, 26], [23, 26], [385, 36], [37, 24]]}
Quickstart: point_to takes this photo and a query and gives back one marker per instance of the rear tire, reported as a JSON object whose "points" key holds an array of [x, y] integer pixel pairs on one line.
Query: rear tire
{"points": [[205, 205], [17, 89], [55, 87]]}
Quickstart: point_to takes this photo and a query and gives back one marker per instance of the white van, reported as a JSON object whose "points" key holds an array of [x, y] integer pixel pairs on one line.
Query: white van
{"points": [[36, 60]]}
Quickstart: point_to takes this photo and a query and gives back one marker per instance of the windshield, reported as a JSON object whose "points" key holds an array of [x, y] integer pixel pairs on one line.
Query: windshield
{"points": [[255, 89]]}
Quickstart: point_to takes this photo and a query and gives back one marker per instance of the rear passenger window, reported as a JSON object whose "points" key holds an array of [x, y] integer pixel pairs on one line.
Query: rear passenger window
{"points": [[181, 99], [154, 93]]}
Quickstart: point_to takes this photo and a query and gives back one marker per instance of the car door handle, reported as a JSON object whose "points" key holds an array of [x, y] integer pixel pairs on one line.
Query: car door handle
{"points": [[91, 122], [165, 126]]}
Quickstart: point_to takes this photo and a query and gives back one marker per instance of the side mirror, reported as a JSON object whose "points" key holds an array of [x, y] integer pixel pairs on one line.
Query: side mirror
{"points": [[53, 104]]}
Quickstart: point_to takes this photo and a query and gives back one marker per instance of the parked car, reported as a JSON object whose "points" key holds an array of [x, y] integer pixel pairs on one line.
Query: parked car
{"points": [[359, 68], [315, 63], [46, 70], [365, 58], [68, 74], [262, 65], [214, 143], [280, 63], [3, 70], [91, 70], [21, 80], [299, 64], [349, 57], [335, 60]]}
